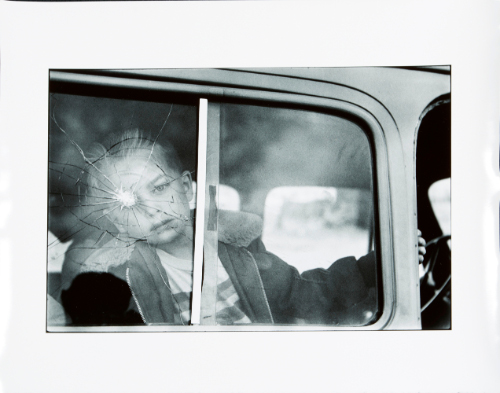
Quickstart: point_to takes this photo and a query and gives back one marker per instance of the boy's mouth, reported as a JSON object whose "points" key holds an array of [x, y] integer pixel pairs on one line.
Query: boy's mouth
{"points": [[161, 224]]}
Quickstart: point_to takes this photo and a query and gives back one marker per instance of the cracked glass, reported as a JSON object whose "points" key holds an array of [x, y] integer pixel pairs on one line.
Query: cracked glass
{"points": [[290, 224], [121, 176]]}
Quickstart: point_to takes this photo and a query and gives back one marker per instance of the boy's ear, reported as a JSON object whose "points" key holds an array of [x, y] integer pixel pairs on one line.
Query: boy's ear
{"points": [[187, 185]]}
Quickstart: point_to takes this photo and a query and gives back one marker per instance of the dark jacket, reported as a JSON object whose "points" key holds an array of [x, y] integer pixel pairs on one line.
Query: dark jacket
{"points": [[270, 290]]}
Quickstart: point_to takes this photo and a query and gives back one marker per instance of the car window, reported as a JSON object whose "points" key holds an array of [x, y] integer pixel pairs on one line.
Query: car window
{"points": [[308, 176], [83, 197], [294, 188]]}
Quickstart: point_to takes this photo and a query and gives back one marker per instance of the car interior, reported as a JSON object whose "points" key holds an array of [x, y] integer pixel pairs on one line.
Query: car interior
{"points": [[434, 165]]}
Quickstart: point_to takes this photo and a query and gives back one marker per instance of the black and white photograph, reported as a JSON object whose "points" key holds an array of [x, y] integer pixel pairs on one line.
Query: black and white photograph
{"points": [[249, 196], [303, 198]]}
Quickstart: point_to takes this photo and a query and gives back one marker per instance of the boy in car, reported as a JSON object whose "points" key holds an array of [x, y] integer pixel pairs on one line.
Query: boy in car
{"points": [[142, 190]]}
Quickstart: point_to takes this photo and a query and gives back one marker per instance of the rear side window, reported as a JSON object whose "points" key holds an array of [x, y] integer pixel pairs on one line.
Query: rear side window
{"points": [[289, 232], [81, 219], [308, 176]]}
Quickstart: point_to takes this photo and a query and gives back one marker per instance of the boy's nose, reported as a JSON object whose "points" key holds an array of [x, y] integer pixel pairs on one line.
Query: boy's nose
{"points": [[143, 206], [157, 210], [151, 210]]}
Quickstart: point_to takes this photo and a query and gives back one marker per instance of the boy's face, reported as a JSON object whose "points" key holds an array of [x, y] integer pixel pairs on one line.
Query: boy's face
{"points": [[152, 201]]}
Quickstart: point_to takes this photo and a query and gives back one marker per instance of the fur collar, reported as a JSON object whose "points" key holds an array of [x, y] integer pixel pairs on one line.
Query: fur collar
{"points": [[238, 228]]}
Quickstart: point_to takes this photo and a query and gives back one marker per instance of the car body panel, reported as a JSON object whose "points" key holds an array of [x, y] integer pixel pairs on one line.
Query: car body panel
{"points": [[389, 101]]}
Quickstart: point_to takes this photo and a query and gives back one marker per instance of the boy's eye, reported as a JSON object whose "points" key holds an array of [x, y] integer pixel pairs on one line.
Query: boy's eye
{"points": [[160, 188]]}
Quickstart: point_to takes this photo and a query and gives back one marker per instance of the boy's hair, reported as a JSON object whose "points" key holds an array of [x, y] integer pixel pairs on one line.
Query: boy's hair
{"points": [[128, 144]]}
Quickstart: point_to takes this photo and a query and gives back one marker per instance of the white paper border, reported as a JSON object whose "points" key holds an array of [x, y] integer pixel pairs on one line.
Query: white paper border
{"points": [[38, 36]]}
